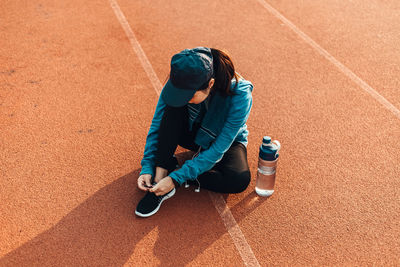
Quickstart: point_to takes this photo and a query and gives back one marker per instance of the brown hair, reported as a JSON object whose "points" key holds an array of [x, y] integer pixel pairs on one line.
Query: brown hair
{"points": [[224, 72]]}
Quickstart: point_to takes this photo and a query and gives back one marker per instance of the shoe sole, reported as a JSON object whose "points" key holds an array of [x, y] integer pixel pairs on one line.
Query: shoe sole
{"points": [[170, 194]]}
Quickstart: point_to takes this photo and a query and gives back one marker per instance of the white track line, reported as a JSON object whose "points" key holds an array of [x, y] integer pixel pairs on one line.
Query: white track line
{"points": [[231, 225], [234, 230], [333, 60], [137, 47]]}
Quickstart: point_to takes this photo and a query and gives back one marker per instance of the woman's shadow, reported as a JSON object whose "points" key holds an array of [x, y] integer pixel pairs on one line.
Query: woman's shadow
{"points": [[103, 230]]}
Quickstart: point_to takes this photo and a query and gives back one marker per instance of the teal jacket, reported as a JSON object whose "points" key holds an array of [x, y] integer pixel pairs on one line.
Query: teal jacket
{"points": [[223, 123]]}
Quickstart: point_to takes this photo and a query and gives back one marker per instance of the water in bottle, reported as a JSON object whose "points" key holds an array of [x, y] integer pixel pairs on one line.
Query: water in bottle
{"points": [[267, 162]]}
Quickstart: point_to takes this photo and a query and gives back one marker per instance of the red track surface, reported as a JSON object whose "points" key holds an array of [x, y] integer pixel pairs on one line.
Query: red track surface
{"points": [[76, 104]]}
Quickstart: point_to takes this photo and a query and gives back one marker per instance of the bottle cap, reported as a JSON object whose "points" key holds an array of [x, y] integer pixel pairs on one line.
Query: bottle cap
{"points": [[266, 140]]}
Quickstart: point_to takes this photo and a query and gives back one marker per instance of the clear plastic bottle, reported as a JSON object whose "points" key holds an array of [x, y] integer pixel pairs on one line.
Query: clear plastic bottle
{"points": [[267, 162]]}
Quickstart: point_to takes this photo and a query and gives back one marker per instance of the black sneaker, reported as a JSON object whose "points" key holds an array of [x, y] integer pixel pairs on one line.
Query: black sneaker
{"points": [[151, 203]]}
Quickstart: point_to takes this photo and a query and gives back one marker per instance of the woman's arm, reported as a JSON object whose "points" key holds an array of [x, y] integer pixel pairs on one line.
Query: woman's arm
{"points": [[150, 148], [237, 117]]}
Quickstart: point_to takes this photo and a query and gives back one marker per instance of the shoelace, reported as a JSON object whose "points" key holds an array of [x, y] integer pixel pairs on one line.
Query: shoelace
{"points": [[158, 198]]}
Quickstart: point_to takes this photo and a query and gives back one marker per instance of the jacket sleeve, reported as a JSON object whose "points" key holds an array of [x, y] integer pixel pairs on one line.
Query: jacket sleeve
{"points": [[150, 148], [237, 117]]}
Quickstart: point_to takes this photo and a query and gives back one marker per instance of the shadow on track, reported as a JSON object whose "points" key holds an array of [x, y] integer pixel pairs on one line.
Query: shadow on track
{"points": [[103, 230]]}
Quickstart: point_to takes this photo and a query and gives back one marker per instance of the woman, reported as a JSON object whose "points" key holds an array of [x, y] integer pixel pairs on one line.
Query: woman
{"points": [[203, 107]]}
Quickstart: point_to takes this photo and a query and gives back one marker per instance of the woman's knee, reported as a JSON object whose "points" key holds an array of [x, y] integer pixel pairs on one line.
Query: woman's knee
{"points": [[241, 181], [175, 111]]}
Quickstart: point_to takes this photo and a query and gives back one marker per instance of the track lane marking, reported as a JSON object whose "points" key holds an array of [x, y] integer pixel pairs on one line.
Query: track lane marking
{"points": [[382, 100], [234, 230], [137, 47], [229, 221]]}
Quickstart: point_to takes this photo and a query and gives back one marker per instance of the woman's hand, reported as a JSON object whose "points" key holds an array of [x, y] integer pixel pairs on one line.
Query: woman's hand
{"points": [[163, 186], [144, 182]]}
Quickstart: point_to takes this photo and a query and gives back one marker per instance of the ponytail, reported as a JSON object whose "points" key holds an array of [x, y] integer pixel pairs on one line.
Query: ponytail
{"points": [[224, 72]]}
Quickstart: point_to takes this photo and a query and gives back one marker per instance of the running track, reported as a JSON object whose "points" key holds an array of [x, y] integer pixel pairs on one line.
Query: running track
{"points": [[76, 102]]}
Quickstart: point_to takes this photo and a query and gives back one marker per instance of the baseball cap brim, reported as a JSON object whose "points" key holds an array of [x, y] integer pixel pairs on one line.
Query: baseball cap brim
{"points": [[176, 97]]}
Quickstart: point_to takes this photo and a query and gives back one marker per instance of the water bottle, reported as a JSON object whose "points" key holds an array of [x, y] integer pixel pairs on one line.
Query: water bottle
{"points": [[267, 162]]}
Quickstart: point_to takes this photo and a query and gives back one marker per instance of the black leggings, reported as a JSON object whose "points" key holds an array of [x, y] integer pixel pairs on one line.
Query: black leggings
{"points": [[230, 175]]}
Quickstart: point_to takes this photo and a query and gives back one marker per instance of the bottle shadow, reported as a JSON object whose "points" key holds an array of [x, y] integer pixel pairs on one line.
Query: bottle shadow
{"points": [[103, 230]]}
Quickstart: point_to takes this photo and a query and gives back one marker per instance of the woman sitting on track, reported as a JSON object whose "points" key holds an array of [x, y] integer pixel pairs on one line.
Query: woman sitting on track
{"points": [[203, 107]]}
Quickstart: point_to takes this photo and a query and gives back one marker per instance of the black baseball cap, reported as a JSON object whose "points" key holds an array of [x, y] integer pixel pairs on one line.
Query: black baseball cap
{"points": [[191, 69]]}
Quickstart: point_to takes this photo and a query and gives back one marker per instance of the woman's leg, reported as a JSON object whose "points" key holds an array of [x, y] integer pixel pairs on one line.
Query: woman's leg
{"points": [[174, 130], [231, 174]]}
